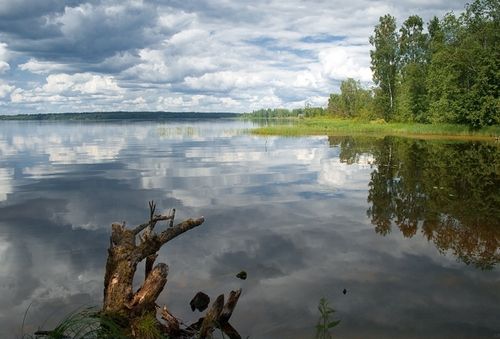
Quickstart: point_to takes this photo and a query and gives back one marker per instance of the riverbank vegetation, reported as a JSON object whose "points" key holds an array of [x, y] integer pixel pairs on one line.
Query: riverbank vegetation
{"points": [[336, 126], [439, 80]]}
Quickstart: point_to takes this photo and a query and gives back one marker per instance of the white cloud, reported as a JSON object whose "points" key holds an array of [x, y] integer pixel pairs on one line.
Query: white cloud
{"points": [[42, 67], [5, 89], [340, 175], [177, 20], [224, 81], [85, 83], [188, 36], [341, 62], [4, 58], [70, 90], [6, 177]]}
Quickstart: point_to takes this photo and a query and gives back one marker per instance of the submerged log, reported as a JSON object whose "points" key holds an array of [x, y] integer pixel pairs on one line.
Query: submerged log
{"points": [[127, 248]]}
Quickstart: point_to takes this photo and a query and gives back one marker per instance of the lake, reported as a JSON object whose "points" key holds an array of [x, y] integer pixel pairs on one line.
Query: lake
{"points": [[409, 228]]}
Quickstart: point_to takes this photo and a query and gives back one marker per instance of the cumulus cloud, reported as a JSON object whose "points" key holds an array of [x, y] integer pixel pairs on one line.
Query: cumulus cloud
{"points": [[5, 89], [341, 62], [187, 55], [4, 66], [42, 67], [81, 82]]}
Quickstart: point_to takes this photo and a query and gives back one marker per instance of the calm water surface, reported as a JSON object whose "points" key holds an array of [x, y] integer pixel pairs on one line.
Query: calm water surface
{"points": [[409, 228]]}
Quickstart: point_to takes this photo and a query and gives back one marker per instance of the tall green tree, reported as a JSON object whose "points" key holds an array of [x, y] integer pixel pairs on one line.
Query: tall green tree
{"points": [[384, 64], [442, 79], [413, 56]]}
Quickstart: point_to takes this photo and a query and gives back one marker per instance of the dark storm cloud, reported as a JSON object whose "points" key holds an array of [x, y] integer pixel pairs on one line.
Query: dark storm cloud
{"points": [[23, 9], [28, 19], [85, 32]]}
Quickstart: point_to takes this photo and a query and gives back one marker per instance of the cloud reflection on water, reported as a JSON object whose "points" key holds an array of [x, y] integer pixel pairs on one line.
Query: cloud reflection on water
{"points": [[288, 211]]}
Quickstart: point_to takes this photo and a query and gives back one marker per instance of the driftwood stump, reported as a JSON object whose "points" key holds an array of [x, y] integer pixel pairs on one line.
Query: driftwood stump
{"points": [[127, 248]]}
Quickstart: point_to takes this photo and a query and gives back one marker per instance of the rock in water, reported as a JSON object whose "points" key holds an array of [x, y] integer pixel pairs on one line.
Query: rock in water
{"points": [[200, 302], [242, 275]]}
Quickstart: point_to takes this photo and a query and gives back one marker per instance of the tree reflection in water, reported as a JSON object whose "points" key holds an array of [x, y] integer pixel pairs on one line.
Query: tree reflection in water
{"points": [[448, 190]]}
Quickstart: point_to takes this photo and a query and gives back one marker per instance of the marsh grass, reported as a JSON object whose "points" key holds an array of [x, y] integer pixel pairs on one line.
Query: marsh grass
{"points": [[146, 327], [329, 126], [325, 322], [82, 324]]}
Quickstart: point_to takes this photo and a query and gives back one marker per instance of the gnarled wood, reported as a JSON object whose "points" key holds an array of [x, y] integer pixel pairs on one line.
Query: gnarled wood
{"points": [[144, 299], [125, 252], [228, 308], [210, 320], [171, 322]]}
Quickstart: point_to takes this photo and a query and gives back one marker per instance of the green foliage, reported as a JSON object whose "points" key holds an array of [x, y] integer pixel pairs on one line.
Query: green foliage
{"points": [[353, 101], [283, 113], [450, 74], [146, 327], [325, 322], [447, 191], [412, 94]]}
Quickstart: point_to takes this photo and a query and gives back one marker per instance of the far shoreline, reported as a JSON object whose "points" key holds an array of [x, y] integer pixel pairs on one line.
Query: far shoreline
{"points": [[118, 116]]}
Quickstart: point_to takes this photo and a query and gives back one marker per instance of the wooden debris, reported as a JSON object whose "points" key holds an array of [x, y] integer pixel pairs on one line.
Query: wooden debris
{"points": [[127, 248]]}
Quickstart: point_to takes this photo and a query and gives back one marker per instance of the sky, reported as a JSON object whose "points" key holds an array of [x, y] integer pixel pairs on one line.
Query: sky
{"points": [[183, 55]]}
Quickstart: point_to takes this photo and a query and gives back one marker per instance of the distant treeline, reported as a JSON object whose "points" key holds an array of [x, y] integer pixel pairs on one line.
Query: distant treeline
{"points": [[448, 73], [120, 116], [286, 113]]}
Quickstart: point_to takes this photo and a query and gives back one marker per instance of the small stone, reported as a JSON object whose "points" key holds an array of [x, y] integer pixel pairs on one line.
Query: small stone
{"points": [[200, 302]]}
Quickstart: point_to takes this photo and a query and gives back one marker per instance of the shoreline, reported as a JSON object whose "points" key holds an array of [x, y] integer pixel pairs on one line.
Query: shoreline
{"points": [[339, 127]]}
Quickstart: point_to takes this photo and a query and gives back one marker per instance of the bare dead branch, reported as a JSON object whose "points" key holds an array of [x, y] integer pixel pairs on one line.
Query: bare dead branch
{"points": [[150, 261], [172, 323], [152, 208], [180, 228], [211, 317], [150, 290], [151, 222], [228, 308], [230, 331], [171, 224], [151, 245]]}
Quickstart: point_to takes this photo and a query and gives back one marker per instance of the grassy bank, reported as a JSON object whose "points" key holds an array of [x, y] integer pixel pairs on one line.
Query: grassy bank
{"points": [[328, 126]]}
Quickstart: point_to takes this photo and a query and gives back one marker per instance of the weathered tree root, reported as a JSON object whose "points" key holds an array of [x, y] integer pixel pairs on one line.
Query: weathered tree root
{"points": [[125, 253]]}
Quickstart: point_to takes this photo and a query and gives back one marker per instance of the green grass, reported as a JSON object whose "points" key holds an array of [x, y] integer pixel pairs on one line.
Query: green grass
{"points": [[146, 327], [329, 126], [82, 324]]}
